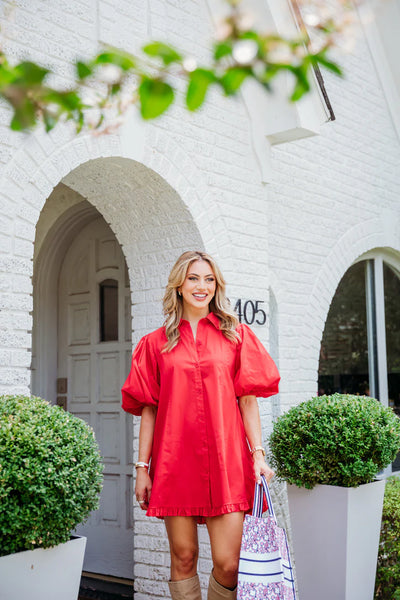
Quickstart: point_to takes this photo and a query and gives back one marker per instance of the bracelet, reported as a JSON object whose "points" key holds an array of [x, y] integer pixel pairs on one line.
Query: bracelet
{"points": [[140, 463], [257, 448]]}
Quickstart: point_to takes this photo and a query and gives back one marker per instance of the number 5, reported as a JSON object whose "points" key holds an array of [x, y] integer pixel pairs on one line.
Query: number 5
{"points": [[260, 310]]}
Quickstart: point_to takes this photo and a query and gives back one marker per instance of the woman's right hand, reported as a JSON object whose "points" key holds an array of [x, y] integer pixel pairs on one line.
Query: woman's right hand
{"points": [[143, 488]]}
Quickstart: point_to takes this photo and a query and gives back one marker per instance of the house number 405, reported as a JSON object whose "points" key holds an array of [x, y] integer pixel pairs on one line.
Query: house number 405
{"points": [[250, 312]]}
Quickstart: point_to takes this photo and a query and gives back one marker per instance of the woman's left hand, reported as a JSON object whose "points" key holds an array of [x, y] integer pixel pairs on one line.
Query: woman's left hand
{"points": [[261, 468]]}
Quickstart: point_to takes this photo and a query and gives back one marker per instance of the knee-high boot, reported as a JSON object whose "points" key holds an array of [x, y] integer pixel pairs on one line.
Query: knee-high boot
{"points": [[186, 589], [216, 591]]}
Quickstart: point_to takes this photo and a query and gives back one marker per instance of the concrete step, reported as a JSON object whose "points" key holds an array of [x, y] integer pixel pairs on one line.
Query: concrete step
{"points": [[97, 587]]}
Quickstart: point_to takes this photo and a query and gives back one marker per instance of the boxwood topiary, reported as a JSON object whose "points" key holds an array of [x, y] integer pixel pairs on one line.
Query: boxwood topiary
{"points": [[338, 440], [50, 473]]}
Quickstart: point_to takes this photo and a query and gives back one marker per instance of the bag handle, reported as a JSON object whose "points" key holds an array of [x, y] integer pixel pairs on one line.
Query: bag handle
{"points": [[260, 490]]}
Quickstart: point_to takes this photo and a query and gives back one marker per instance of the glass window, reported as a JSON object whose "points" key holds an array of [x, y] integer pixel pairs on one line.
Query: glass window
{"points": [[108, 310], [364, 312], [343, 365], [392, 320]]}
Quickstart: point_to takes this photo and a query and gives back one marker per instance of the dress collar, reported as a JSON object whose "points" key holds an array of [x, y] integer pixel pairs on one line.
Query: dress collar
{"points": [[212, 317]]}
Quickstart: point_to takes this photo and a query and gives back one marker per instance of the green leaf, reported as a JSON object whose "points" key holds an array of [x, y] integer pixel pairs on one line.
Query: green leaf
{"points": [[233, 79], [155, 97], [222, 49], [49, 121], [267, 75], [167, 53], [199, 81], [24, 116], [16, 124], [250, 35], [115, 88], [69, 100], [8, 75], [83, 69], [299, 90], [267, 86], [302, 85], [30, 73], [100, 121], [121, 59], [328, 64]]}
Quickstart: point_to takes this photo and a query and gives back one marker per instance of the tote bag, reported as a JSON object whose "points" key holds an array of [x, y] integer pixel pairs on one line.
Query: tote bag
{"points": [[265, 570]]}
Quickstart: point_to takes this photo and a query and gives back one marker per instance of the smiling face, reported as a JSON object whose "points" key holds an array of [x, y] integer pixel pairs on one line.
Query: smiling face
{"points": [[198, 289]]}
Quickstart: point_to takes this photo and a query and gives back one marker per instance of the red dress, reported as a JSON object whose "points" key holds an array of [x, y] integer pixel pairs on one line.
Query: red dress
{"points": [[200, 464]]}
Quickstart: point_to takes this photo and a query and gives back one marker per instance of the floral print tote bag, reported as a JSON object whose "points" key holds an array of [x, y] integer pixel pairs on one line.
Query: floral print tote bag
{"points": [[265, 570]]}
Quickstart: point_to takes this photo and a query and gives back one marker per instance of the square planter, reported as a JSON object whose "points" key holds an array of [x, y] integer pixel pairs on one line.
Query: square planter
{"points": [[43, 574], [335, 540]]}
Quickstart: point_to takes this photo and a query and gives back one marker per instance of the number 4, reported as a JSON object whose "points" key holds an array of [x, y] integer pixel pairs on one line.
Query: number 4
{"points": [[238, 309]]}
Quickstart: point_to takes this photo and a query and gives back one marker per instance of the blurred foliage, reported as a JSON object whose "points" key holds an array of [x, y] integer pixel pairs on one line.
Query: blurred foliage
{"points": [[114, 79], [387, 584]]}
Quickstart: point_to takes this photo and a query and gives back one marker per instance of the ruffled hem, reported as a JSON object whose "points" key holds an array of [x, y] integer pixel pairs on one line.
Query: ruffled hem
{"points": [[199, 512]]}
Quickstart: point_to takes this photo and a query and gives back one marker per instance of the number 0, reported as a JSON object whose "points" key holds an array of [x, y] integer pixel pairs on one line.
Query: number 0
{"points": [[249, 320]]}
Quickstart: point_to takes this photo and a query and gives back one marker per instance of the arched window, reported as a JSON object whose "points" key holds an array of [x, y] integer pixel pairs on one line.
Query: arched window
{"points": [[360, 348], [343, 365], [108, 297]]}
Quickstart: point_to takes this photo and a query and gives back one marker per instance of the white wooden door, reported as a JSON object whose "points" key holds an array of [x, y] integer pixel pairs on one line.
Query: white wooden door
{"points": [[94, 351]]}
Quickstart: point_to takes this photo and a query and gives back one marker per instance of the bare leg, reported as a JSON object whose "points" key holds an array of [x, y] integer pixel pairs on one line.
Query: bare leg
{"points": [[184, 546], [225, 533]]}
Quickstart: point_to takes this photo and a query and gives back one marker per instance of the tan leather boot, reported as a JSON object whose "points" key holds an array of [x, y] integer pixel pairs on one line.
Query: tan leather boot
{"points": [[216, 591], [186, 589]]}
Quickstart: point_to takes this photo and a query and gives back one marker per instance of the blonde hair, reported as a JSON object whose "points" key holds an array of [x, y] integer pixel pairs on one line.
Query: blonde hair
{"points": [[173, 303]]}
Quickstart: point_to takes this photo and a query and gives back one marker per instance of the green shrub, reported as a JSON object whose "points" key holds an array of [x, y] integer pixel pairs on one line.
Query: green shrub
{"points": [[387, 584], [50, 473], [339, 440]]}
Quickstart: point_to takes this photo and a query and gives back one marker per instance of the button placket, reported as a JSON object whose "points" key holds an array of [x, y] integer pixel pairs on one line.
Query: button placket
{"points": [[195, 345], [198, 346]]}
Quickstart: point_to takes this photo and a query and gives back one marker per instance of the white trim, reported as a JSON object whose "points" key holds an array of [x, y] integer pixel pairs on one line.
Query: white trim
{"points": [[45, 296], [382, 67], [381, 331], [370, 294]]}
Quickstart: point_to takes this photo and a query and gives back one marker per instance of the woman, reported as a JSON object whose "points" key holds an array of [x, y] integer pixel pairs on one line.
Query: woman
{"points": [[194, 382]]}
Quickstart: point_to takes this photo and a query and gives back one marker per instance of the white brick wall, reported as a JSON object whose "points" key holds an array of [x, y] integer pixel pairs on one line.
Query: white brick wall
{"points": [[332, 199], [193, 180]]}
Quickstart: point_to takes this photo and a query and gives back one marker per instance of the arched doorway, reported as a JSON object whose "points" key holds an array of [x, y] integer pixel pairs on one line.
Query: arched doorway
{"points": [[152, 225], [82, 348]]}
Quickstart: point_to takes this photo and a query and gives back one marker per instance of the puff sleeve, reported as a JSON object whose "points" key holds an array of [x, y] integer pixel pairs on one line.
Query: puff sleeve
{"points": [[256, 373], [142, 385]]}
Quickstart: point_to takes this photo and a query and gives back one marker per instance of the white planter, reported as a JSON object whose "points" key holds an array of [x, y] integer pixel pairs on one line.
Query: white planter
{"points": [[335, 540], [51, 574]]}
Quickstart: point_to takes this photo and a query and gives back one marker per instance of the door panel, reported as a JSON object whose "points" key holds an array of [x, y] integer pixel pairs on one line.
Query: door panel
{"points": [[95, 371], [79, 324]]}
